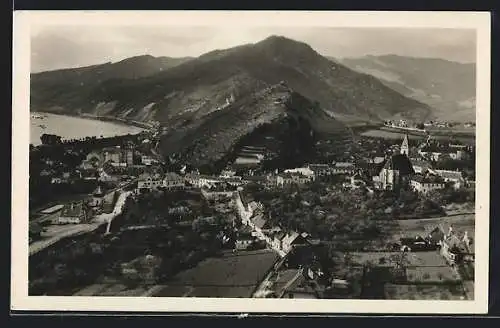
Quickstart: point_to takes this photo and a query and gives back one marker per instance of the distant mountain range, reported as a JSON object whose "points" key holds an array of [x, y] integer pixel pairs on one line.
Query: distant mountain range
{"points": [[449, 87], [209, 103]]}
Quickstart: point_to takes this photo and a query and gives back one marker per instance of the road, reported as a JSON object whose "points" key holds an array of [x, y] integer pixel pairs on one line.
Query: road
{"points": [[263, 289], [55, 215], [57, 232]]}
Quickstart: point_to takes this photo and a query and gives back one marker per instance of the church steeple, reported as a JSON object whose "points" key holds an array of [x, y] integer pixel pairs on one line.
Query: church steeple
{"points": [[405, 149]]}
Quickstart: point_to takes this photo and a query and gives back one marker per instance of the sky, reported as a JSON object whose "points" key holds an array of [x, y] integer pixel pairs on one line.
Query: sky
{"points": [[55, 47]]}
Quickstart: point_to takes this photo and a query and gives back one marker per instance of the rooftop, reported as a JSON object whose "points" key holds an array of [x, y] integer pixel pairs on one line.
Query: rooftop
{"points": [[452, 175], [73, 210], [428, 178], [259, 221], [343, 164]]}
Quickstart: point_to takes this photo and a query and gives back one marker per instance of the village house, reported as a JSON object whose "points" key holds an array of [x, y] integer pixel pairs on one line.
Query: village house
{"points": [[305, 171], [74, 213], [208, 181], [470, 183], [234, 181], [118, 156], [255, 207], [455, 248], [149, 182], [425, 183], [193, 179], [244, 241], [261, 227], [112, 154], [173, 180], [453, 177], [274, 181], [420, 166], [227, 174], [320, 170], [296, 178], [276, 238], [436, 151], [148, 160], [293, 239], [218, 192], [93, 160], [343, 168], [244, 238]]}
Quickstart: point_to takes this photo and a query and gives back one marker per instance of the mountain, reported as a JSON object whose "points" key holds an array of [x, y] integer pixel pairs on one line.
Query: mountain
{"points": [[449, 87], [199, 84], [209, 103], [49, 84]]}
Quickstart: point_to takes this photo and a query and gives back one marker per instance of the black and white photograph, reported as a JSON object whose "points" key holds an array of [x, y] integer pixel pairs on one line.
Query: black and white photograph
{"points": [[251, 161]]}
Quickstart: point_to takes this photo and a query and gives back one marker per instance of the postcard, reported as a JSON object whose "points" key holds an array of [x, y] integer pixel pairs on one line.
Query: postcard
{"points": [[251, 161]]}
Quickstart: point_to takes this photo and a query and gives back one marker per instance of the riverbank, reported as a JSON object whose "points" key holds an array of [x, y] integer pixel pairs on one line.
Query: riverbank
{"points": [[76, 127], [112, 119]]}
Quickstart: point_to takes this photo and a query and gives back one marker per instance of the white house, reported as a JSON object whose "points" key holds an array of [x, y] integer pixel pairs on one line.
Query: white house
{"points": [[174, 181], [320, 170], [296, 178], [343, 168], [306, 171], [149, 181], [454, 177], [73, 213], [426, 183]]}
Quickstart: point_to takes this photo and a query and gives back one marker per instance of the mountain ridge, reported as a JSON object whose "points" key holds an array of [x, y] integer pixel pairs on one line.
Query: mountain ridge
{"points": [[336, 87], [447, 86]]}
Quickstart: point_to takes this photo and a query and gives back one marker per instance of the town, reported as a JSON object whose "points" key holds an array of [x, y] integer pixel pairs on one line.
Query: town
{"points": [[388, 219]]}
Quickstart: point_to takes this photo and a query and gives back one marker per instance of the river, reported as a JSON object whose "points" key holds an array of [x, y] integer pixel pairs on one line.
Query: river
{"points": [[71, 127]]}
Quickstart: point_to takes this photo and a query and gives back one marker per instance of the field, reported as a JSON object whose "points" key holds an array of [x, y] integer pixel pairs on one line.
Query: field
{"points": [[416, 259], [113, 290], [231, 275], [444, 135], [424, 292], [460, 224], [376, 133]]}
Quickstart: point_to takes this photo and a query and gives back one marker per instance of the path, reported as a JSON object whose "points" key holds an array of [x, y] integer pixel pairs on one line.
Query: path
{"points": [[81, 228]]}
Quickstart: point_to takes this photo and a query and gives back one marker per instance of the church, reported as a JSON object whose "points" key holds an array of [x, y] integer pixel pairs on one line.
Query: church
{"points": [[396, 169]]}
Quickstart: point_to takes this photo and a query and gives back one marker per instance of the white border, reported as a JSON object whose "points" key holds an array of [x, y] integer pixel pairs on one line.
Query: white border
{"points": [[480, 21]]}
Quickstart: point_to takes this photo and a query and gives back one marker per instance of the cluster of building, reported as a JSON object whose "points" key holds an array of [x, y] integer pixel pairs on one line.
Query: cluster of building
{"points": [[118, 156], [82, 211], [257, 227], [443, 124], [401, 168], [387, 173], [399, 123], [229, 180]]}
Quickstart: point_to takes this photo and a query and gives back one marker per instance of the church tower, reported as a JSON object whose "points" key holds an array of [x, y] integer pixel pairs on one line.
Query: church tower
{"points": [[405, 149]]}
